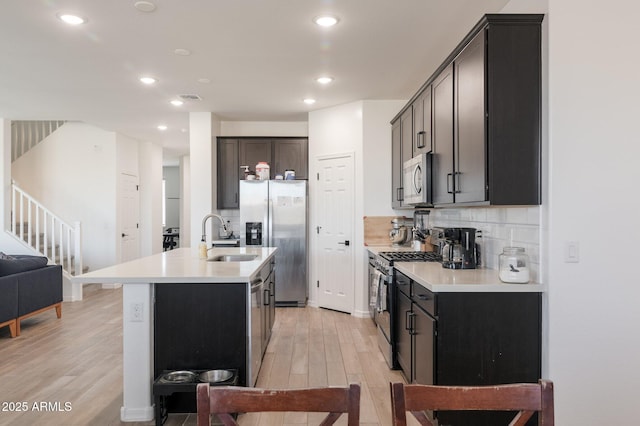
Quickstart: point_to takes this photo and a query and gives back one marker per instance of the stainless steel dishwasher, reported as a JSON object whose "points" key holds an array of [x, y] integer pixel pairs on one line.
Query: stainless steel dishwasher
{"points": [[255, 331]]}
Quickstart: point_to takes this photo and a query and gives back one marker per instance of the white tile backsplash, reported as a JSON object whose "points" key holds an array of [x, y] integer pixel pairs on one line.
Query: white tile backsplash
{"points": [[501, 227], [233, 217]]}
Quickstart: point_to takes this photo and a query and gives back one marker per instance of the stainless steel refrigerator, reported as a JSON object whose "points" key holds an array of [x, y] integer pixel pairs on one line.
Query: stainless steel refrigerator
{"points": [[273, 213]]}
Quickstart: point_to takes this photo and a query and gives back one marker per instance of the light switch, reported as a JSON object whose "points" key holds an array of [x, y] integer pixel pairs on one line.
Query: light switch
{"points": [[571, 252]]}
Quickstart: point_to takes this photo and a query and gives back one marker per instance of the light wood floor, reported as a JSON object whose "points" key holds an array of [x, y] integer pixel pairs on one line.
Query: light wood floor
{"points": [[77, 361]]}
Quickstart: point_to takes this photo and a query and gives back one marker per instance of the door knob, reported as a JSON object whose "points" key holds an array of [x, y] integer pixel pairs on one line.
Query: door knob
{"points": [[346, 242], [124, 235]]}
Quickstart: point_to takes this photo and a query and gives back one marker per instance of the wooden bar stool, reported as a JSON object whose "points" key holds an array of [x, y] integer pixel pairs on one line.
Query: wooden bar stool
{"points": [[525, 398], [226, 400]]}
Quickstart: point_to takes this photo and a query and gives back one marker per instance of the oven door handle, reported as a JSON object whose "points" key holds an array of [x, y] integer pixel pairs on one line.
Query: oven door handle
{"points": [[381, 284]]}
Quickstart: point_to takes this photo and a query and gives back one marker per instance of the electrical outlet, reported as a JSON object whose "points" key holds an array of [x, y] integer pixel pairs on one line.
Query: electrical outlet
{"points": [[137, 309], [571, 252]]}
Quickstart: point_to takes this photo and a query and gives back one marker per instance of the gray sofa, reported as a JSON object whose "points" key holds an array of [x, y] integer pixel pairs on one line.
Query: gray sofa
{"points": [[28, 286]]}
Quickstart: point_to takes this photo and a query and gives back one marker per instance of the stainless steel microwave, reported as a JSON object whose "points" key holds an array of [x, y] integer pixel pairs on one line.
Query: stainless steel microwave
{"points": [[416, 180]]}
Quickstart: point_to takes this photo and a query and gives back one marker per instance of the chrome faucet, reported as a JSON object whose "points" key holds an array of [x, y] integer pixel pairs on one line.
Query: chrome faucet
{"points": [[204, 223]]}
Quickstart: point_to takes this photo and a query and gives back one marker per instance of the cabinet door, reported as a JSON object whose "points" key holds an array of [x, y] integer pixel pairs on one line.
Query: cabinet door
{"points": [[443, 137], [403, 333], [423, 348], [422, 123], [252, 151], [200, 327], [470, 146], [228, 173], [396, 165], [406, 128], [290, 154]]}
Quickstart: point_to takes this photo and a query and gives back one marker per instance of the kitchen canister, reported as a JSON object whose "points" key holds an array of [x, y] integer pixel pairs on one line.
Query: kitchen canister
{"points": [[514, 265], [289, 174], [262, 171]]}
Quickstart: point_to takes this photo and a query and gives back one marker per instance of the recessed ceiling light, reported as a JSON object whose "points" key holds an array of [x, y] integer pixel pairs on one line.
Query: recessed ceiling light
{"points": [[204, 80], [324, 80], [177, 102], [71, 19], [144, 6], [182, 52], [162, 127], [148, 80], [309, 101], [325, 20]]}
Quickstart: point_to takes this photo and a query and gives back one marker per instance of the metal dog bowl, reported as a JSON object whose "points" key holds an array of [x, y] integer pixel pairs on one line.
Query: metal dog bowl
{"points": [[215, 376], [180, 376]]}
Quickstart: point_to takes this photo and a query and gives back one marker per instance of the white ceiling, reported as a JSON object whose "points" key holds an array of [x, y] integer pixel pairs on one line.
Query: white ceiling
{"points": [[261, 56]]}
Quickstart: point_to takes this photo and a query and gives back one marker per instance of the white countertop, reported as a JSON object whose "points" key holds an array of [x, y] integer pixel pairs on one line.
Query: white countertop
{"points": [[441, 280], [182, 265]]}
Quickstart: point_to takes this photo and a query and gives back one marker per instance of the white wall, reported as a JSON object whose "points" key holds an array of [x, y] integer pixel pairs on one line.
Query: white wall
{"points": [[263, 128], [594, 341], [92, 154], [377, 116], [185, 201], [150, 169], [7, 243], [204, 127], [362, 128]]}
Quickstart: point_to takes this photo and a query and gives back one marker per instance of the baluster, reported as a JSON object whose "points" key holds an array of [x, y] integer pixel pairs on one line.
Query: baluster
{"points": [[22, 217], [46, 235], [13, 216], [37, 220], [78, 247], [29, 228]]}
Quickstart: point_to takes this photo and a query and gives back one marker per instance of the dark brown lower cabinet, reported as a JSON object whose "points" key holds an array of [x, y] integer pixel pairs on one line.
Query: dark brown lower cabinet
{"points": [[199, 327], [468, 339]]}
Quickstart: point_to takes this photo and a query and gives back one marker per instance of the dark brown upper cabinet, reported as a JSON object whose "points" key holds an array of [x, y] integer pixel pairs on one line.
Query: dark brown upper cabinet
{"points": [[401, 151], [485, 115], [281, 154]]}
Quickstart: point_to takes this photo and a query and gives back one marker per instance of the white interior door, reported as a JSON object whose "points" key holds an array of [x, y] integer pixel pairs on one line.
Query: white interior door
{"points": [[129, 217], [335, 259]]}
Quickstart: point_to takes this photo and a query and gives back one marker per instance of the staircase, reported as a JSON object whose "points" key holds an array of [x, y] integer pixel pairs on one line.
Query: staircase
{"points": [[45, 232], [27, 134]]}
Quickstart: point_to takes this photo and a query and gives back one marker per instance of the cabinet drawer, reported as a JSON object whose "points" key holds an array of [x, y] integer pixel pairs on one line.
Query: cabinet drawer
{"points": [[423, 298]]}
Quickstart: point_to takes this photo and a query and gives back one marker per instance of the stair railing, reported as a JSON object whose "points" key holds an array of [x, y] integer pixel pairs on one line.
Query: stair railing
{"points": [[44, 231]]}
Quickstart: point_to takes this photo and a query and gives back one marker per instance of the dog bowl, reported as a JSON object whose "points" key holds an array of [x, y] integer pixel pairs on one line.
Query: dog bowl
{"points": [[180, 376], [215, 376]]}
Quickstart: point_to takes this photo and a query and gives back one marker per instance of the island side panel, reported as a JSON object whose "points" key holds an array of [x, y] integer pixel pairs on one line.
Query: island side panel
{"points": [[137, 304], [201, 326]]}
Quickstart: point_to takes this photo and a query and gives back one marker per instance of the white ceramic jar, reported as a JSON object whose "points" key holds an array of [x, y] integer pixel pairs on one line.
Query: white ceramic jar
{"points": [[262, 170], [514, 265]]}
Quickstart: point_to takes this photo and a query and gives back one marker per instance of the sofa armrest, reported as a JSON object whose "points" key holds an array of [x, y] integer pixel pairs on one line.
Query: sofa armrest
{"points": [[39, 288], [8, 298]]}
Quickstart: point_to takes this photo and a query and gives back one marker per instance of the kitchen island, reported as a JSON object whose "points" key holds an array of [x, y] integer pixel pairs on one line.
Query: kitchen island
{"points": [[175, 277]]}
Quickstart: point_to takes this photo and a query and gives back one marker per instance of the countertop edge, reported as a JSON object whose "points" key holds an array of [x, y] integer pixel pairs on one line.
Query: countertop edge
{"points": [[113, 275], [468, 287]]}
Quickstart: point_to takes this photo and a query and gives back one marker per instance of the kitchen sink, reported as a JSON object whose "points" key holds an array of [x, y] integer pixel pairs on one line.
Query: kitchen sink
{"points": [[233, 258]]}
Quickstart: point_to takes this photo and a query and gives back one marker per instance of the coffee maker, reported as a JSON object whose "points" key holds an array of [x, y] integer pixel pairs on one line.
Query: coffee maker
{"points": [[460, 250]]}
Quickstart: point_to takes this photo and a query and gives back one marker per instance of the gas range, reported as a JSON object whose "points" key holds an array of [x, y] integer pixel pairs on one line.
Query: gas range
{"points": [[381, 285], [387, 258]]}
